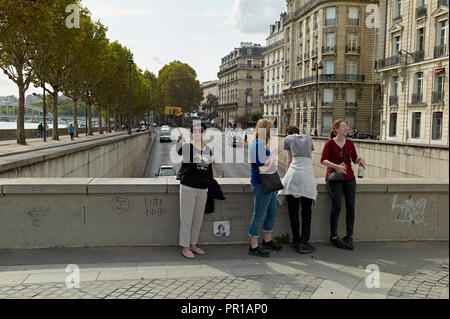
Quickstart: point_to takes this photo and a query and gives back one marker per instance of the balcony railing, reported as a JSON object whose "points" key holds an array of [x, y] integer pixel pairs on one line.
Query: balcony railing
{"points": [[299, 58], [314, 52], [416, 98], [329, 50], [353, 21], [352, 49], [437, 97], [286, 62], [418, 56], [330, 22], [443, 3], [351, 104], [274, 45], [327, 103], [421, 11], [306, 55], [271, 97], [388, 62], [227, 105], [393, 100], [330, 78], [440, 51]]}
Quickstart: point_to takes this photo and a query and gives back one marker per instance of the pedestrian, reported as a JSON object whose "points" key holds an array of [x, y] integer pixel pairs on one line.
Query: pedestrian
{"points": [[300, 187], [195, 175], [40, 130], [337, 154], [71, 131], [265, 205]]}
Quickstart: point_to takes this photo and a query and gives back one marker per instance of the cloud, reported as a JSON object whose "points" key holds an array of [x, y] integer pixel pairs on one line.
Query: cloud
{"points": [[250, 17], [103, 11]]}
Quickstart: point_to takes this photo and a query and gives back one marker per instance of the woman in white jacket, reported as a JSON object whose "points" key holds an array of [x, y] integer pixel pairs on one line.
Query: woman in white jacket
{"points": [[300, 187]]}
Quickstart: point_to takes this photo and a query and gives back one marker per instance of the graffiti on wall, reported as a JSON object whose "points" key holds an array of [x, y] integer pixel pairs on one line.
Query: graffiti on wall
{"points": [[410, 210]]}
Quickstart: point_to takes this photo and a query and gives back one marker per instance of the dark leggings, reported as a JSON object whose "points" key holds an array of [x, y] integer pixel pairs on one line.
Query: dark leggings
{"points": [[293, 206], [335, 190]]}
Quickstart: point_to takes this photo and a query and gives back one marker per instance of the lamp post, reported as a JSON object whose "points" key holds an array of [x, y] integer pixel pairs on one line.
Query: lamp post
{"points": [[316, 67], [130, 62]]}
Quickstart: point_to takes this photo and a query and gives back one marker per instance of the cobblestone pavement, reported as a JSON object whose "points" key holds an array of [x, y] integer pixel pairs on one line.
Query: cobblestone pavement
{"points": [[428, 282], [242, 287]]}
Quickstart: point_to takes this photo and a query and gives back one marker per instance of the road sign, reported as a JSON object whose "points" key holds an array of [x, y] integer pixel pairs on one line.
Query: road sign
{"points": [[172, 110], [305, 120]]}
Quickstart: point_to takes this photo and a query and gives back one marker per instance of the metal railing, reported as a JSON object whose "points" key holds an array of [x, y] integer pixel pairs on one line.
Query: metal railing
{"points": [[397, 18], [330, 78], [306, 55], [393, 100], [327, 103], [388, 62], [351, 104], [314, 52], [354, 22], [418, 56], [330, 22], [274, 45], [443, 3], [421, 11], [329, 50], [437, 97], [440, 51], [416, 98], [352, 49]]}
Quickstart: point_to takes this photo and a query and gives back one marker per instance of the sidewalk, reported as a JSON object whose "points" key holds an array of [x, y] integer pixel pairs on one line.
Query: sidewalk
{"points": [[10, 147], [407, 270]]}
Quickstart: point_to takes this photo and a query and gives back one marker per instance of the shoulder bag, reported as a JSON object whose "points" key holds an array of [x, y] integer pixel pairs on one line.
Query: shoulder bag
{"points": [[335, 176]]}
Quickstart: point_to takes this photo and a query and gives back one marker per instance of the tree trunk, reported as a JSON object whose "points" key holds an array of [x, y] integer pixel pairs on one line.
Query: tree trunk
{"points": [[100, 120], [89, 120], [55, 132], [20, 117], [108, 121], [116, 121], [75, 116]]}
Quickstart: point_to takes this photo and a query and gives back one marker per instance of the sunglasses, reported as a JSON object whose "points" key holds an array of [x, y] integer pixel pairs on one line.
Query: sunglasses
{"points": [[341, 153]]}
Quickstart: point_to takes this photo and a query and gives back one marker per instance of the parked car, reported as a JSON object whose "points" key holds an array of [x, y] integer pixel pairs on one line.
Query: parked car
{"points": [[167, 170], [365, 135], [142, 128], [164, 135]]}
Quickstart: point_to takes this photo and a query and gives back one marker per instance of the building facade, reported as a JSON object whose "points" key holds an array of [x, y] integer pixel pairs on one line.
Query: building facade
{"points": [[413, 68], [240, 84], [209, 87], [333, 35], [274, 74]]}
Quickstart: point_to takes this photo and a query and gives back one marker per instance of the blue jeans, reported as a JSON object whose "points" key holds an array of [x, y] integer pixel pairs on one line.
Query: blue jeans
{"points": [[265, 208]]}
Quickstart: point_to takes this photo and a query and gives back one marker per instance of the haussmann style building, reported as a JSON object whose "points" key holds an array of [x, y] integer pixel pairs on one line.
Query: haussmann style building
{"points": [[413, 68]]}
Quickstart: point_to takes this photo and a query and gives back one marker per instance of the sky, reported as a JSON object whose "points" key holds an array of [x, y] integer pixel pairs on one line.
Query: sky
{"points": [[197, 32]]}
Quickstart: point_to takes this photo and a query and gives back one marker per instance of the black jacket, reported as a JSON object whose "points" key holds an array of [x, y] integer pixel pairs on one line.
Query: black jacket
{"points": [[214, 192]]}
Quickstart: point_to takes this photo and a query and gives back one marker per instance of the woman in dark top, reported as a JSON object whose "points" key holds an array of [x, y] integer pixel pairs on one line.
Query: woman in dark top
{"points": [[337, 155], [195, 175]]}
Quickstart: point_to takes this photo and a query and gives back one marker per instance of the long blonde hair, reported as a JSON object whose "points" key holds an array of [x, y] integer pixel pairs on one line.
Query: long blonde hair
{"points": [[265, 124]]}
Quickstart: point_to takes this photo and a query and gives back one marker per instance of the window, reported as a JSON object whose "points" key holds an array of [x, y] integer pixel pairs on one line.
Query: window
{"points": [[353, 16], [327, 121], [398, 8], [393, 124], [249, 100], [306, 70], [443, 29], [420, 39], [249, 63], [396, 45], [437, 126], [350, 118], [329, 41], [316, 20], [439, 82], [416, 125], [249, 51], [351, 67], [352, 41], [351, 97], [328, 97], [330, 19], [419, 83], [329, 67]]}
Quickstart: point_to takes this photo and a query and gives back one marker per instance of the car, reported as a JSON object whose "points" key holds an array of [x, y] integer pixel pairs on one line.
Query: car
{"points": [[235, 141], [165, 135], [154, 124], [365, 135], [142, 128], [167, 170]]}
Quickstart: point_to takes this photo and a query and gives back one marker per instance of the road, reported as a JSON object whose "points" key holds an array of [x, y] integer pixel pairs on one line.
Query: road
{"points": [[236, 165]]}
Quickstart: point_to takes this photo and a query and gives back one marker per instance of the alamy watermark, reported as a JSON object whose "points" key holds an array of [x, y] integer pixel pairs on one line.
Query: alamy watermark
{"points": [[73, 279], [373, 279]]}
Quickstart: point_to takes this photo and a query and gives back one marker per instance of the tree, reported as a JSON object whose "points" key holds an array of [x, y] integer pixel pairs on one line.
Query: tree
{"points": [[177, 86], [21, 21]]}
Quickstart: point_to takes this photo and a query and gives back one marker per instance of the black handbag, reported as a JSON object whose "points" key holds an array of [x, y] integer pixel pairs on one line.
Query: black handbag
{"points": [[270, 180], [335, 176]]}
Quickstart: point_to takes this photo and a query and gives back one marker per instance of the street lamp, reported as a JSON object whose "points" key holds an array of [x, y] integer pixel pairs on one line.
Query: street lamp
{"points": [[316, 67], [130, 62]]}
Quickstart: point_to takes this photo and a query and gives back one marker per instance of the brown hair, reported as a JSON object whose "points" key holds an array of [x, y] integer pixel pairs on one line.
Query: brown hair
{"points": [[265, 124], [292, 129], [335, 126]]}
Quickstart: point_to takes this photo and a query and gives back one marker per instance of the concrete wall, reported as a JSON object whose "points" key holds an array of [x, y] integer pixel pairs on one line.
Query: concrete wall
{"points": [[38, 213], [113, 156], [387, 159]]}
